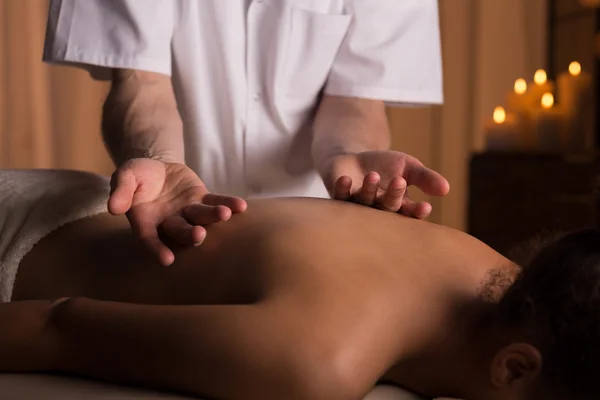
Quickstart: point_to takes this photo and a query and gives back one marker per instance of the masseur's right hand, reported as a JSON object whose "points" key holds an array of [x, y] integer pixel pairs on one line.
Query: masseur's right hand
{"points": [[168, 198]]}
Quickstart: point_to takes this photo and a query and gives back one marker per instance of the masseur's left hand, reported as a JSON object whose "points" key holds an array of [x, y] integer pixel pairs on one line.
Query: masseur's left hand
{"points": [[380, 179]]}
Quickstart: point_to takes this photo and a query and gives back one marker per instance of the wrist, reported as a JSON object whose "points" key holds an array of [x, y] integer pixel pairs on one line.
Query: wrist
{"points": [[166, 157], [140, 119], [324, 156]]}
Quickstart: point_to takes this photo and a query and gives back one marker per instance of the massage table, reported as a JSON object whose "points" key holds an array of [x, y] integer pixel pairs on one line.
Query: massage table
{"points": [[46, 387]]}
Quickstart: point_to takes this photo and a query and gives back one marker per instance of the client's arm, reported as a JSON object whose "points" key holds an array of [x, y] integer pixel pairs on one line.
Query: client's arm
{"points": [[229, 352]]}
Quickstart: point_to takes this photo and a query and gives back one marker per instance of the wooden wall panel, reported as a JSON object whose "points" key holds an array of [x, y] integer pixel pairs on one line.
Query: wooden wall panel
{"points": [[486, 46]]}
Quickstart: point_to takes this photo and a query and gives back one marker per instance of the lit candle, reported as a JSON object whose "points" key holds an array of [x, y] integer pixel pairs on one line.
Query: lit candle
{"points": [[574, 87], [575, 68], [540, 86], [517, 101], [547, 101], [548, 125], [540, 77], [575, 97], [502, 132], [499, 115]]}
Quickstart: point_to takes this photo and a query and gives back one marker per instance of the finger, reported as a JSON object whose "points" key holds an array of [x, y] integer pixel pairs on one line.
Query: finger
{"points": [[341, 188], [149, 237], [419, 210], [429, 181], [123, 186], [235, 204], [182, 232], [394, 195], [423, 210], [202, 214], [368, 192]]}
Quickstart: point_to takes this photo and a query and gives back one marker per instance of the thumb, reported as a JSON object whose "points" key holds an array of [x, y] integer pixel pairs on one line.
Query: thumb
{"points": [[123, 185], [429, 181]]}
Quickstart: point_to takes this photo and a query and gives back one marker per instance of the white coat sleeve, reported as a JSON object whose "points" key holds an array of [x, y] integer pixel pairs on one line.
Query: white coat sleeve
{"points": [[392, 52], [103, 34]]}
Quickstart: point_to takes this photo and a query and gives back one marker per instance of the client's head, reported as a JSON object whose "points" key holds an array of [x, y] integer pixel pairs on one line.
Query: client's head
{"points": [[549, 325]]}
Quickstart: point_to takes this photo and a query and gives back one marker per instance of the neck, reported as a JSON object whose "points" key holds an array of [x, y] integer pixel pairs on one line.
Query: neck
{"points": [[467, 353], [455, 368], [458, 367]]}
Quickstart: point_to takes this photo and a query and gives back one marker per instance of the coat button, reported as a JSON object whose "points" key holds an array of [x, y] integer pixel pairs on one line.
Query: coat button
{"points": [[256, 189]]}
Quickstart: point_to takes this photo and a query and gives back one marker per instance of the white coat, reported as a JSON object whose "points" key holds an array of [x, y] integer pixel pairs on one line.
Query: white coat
{"points": [[248, 73]]}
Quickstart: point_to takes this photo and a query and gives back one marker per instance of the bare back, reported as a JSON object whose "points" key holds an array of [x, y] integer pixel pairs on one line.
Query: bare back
{"points": [[277, 247], [275, 243], [341, 263]]}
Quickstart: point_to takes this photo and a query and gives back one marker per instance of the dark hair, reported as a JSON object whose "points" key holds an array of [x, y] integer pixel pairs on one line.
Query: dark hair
{"points": [[555, 303]]}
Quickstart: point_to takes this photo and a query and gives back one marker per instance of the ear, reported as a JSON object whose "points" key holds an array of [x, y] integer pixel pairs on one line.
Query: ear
{"points": [[517, 362]]}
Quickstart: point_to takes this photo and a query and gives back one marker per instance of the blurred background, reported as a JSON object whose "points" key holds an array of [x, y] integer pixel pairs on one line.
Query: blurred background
{"points": [[50, 115]]}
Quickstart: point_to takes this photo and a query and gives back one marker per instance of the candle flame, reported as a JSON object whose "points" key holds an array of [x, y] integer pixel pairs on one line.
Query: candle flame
{"points": [[499, 115], [520, 86], [547, 100], [540, 77], [575, 68]]}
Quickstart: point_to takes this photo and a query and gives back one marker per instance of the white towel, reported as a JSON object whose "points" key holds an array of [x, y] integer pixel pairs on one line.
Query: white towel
{"points": [[33, 203], [29, 387], [388, 392]]}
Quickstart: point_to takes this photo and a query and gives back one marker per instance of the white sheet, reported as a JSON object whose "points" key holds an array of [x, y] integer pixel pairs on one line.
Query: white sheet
{"points": [[44, 387]]}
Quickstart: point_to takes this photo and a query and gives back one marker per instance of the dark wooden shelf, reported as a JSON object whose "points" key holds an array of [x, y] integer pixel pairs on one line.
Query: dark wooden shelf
{"points": [[515, 196]]}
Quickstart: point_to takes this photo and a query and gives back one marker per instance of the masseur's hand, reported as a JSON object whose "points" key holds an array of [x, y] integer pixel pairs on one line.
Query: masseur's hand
{"points": [[168, 198], [380, 178]]}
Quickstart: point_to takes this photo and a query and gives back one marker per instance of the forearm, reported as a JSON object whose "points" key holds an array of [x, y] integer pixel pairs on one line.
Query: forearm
{"points": [[232, 352], [160, 347], [349, 125], [140, 118]]}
